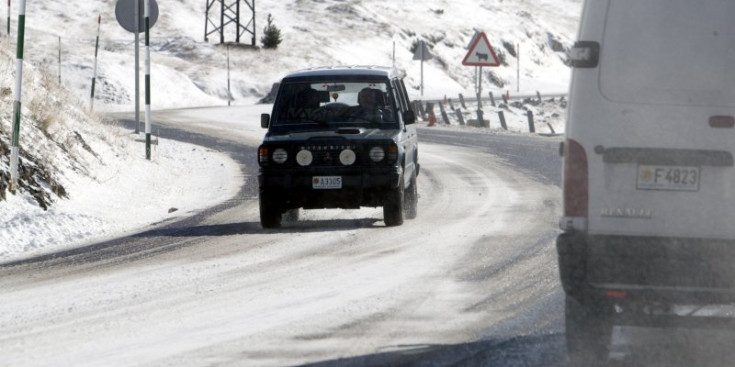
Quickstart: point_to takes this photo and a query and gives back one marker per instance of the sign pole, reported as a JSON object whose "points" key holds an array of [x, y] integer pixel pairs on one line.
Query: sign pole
{"points": [[421, 53], [128, 16], [479, 87], [147, 23], [422, 67], [479, 96], [15, 144], [137, 66], [59, 60], [8, 18], [518, 69], [480, 53], [94, 75], [229, 94]]}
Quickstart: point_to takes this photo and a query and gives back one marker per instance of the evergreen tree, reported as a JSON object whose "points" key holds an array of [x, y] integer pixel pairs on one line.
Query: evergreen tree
{"points": [[271, 35]]}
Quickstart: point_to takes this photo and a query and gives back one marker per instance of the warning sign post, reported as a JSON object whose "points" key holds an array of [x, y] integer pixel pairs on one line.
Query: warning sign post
{"points": [[480, 53]]}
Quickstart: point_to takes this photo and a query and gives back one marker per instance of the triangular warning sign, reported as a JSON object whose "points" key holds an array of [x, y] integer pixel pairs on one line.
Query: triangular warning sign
{"points": [[481, 53]]}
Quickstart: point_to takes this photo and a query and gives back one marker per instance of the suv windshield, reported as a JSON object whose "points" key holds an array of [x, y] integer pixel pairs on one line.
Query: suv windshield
{"points": [[334, 103]]}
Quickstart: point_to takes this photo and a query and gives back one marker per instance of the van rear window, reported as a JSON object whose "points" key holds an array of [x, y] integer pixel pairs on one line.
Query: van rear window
{"points": [[675, 52]]}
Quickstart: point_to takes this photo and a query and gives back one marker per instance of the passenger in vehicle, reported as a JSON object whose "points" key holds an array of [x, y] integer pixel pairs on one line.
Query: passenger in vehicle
{"points": [[370, 106]]}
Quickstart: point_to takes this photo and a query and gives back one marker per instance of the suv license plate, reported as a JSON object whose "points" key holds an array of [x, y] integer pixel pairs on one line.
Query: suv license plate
{"points": [[676, 178], [326, 182]]}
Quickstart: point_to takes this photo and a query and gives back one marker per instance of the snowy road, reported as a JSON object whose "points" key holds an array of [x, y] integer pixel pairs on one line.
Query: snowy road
{"points": [[471, 281]]}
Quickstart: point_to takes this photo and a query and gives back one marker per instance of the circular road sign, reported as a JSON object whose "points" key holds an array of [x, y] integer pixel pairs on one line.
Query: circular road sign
{"points": [[125, 14]]}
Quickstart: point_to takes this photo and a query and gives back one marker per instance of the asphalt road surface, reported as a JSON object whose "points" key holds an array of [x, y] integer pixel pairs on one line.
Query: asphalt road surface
{"points": [[472, 281]]}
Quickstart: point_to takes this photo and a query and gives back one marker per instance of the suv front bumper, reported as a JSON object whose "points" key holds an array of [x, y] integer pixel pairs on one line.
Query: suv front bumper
{"points": [[360, 186]]}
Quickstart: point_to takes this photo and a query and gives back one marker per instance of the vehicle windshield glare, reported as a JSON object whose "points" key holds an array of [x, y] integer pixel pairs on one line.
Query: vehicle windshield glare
{"points": [[313, 105]]}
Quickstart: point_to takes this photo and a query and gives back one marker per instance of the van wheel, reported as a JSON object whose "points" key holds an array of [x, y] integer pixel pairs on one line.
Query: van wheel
{"points": [[393, 206], [588, 332], [412, 198], [270, 211]]}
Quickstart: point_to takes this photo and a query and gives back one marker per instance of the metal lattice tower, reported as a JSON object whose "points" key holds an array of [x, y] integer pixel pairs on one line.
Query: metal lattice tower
{"points": [[229, 13]]}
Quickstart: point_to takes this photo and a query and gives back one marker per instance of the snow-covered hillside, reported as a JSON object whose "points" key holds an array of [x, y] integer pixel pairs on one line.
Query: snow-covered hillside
{"points": [[84, 177], [187, 71]]}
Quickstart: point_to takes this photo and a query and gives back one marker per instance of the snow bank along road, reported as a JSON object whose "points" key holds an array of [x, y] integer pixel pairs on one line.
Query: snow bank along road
{"points": [[472, 280]]}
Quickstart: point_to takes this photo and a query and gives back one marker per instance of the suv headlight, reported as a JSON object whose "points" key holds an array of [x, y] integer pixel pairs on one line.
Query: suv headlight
{"points": [[280, 156], [347, 157], [377, 154]]}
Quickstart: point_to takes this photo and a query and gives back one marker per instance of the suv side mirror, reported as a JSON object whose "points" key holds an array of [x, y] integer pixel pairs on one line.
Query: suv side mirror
{"points": [[409, 117], [265, 120]]}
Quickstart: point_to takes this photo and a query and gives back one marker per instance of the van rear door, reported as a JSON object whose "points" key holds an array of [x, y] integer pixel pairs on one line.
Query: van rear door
{"points": [[661, 151]]}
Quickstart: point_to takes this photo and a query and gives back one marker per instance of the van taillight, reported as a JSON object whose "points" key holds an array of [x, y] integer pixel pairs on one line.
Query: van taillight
{"points": [[576, 183]]}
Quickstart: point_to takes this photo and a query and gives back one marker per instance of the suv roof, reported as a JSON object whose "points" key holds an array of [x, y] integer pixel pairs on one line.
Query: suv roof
{"points": [[347, 70]]}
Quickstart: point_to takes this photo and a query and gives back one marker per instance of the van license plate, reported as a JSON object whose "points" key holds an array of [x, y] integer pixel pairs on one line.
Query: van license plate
{"points": [[326, 182], [675, 178]]}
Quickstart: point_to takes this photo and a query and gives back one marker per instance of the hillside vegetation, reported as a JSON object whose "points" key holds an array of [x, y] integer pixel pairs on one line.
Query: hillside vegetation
{"points": [[58, 135]]}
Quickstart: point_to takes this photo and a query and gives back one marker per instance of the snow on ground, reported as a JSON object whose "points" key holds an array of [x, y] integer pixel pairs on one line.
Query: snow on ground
{"points": [[128, 194]]}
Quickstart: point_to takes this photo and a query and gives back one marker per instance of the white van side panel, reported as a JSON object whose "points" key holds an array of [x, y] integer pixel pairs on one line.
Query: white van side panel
{"points": [[649, 110]]}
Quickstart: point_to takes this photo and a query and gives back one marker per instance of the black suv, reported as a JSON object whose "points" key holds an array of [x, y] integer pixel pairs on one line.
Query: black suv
{"points": [[339, 137]]}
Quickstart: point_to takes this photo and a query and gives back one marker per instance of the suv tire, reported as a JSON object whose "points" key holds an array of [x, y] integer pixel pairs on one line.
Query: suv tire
{"points": [[291, 215], [270, 211], [393, 206], [588, 332], [412, 198]]}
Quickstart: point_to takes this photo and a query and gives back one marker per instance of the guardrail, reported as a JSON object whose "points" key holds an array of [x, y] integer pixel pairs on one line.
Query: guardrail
{"points": [[425, 108]]}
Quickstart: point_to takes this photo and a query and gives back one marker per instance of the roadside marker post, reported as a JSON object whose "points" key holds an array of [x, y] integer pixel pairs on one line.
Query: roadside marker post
{"points": [[460, 118], [147, 22], [94, 75], [229, 93], [531, 127], [15, 144], [443, 112], [501, 116], [136, 23], [59, 61]]}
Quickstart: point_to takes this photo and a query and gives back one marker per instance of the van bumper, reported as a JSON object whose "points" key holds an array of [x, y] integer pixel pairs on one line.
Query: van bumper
{"points": [[647, 269]]}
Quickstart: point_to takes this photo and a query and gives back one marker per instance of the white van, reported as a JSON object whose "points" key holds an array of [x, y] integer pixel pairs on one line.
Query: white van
{"points": [[649, 182]]}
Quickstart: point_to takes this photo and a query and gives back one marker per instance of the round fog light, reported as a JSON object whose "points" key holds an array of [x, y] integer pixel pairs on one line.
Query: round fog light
{"points": [[304, 158], [347, 157]]}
